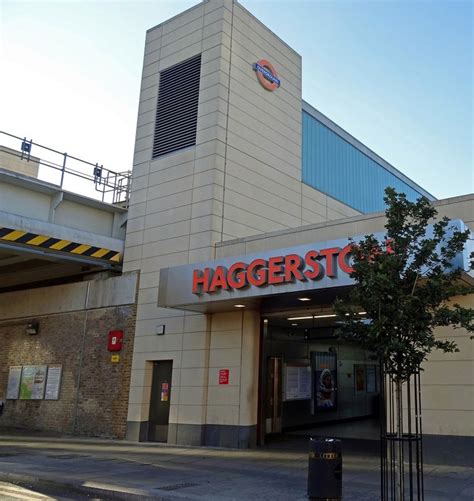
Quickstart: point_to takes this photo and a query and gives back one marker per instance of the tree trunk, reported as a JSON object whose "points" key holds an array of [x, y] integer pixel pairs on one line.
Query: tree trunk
{"points": [[399, 491]]}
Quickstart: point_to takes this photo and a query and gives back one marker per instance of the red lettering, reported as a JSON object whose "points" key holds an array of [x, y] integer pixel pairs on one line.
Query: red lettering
{"points": [[343, 259], [218, 279], [330, 255], [293, 266], [256, 272], [275, 267], [236, 277], [315, 270], [201, 281]]}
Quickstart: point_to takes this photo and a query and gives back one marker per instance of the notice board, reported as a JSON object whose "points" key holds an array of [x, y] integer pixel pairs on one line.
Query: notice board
{"points": [[297, 382], [13, 385]]}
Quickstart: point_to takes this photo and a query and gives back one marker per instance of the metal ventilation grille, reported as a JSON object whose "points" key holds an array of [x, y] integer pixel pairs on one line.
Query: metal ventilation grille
{"points": [[176, 114]]}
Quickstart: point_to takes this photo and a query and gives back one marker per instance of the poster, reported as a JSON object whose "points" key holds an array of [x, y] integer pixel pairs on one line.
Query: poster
{"points": [[33, 380], [359, 378], [53, 382], [297, 382], [371, 378], [13, 385], [325, 380]]}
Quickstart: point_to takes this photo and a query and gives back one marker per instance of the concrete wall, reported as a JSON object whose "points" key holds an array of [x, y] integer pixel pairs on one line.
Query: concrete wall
{"points": [[448, 383], [36, 206], [11, 160], [229, 185], [74, 321]]}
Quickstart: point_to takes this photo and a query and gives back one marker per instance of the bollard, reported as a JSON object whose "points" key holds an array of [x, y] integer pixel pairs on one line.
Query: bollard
{"points": [[325, 469]]}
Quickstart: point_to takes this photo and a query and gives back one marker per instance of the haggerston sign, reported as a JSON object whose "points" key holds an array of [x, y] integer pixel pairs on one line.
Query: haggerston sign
{"points": [[278, 269], [221, 284]]}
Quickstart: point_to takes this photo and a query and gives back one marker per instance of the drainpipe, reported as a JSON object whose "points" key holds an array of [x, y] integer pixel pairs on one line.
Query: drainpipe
{"points": [[81, 358]]}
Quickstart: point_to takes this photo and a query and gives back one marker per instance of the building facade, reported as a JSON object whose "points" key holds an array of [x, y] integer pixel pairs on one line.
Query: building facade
{"points": [[234, 164]]}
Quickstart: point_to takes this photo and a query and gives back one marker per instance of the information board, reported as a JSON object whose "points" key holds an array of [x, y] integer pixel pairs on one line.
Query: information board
{"points": [[13, 385], [33, 381], [297, 382], [53, 382]]}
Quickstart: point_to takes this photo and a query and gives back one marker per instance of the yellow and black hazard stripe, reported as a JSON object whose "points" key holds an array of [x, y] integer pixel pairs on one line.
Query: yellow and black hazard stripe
{"points": [[57, 244]]}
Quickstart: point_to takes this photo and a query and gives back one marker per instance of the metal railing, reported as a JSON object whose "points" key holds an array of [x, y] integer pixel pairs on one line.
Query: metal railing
{"points": [[67, 171]]}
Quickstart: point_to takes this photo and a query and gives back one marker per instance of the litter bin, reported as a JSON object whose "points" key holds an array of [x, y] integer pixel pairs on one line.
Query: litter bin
{"points": [[325, 469]]}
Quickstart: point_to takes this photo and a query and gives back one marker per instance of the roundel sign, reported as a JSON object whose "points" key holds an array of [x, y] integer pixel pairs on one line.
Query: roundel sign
{"points": [[266, 74]]}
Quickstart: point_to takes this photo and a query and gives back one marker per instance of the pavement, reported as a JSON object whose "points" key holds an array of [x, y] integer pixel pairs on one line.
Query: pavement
{"points": [[86, 468]]}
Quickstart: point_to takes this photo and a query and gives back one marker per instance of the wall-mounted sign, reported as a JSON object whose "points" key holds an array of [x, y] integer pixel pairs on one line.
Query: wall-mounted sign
{"points": [[266, 74], [53, 382], [221, 284], [165, 392], [114, 341], [274, 270], [13, 385], [224, 376], [297, 382], [33, 381]]}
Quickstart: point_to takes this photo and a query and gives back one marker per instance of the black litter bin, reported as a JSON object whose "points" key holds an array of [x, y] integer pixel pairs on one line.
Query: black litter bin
{"points": [[325, 469]]}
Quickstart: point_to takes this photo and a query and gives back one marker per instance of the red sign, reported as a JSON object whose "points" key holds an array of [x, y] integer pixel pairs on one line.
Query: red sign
{"points": [[115, 340], [223, 376], [266, 74], [273, 271]]}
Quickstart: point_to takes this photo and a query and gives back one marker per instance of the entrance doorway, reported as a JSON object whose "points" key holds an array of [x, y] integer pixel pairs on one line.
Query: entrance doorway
{"points": [[315, 384], [160, 401]]}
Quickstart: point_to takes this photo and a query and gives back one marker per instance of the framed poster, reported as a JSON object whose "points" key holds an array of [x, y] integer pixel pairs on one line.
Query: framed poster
{"points": [[53, 382], [33, 380], [13, 385], [371, 378], [297, 382], [359, 378], [324, 366]]}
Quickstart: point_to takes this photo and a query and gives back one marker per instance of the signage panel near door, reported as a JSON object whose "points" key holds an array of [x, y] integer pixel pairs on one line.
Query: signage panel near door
{"points": [[297, 382]]}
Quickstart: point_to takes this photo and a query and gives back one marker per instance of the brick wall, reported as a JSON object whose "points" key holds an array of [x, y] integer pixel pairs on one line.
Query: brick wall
{"points": [[93, 399]]}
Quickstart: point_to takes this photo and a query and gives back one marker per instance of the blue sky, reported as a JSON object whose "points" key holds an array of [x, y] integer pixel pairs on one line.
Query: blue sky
{"points": [[398, 75]]}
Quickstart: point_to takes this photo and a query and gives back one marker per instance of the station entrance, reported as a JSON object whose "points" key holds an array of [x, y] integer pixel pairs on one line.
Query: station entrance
{"points": [[313, 384]]}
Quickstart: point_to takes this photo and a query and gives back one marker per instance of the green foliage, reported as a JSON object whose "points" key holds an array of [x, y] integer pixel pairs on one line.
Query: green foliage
{"points": [[404, 284]]}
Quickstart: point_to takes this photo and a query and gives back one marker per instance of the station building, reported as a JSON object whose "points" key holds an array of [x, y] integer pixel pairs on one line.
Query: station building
{"points": [[231, 168], [242, 202]]}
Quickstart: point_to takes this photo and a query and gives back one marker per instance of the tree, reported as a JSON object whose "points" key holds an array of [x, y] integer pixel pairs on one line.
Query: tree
{"points": [[404, 284]]}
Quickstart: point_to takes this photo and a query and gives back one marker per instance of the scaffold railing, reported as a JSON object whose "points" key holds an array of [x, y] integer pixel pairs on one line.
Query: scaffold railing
{"points": [[64, 170]]}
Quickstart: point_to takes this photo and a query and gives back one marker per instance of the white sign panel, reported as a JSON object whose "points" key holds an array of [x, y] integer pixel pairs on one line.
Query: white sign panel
{"points": [[14, 378], [297, 382], [53, 382]]}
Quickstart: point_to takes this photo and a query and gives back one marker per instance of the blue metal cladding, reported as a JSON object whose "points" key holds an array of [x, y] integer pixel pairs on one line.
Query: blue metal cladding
{"points": [[335, 167]]}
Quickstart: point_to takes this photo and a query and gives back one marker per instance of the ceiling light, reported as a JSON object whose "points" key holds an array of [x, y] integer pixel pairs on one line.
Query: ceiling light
{"points": [[304, 299], [332, 315], [294, 325], [239, 305], [265, 320]]}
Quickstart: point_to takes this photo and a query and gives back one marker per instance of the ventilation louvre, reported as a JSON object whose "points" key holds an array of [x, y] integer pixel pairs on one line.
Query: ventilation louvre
{"points": [[176, 113]]}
